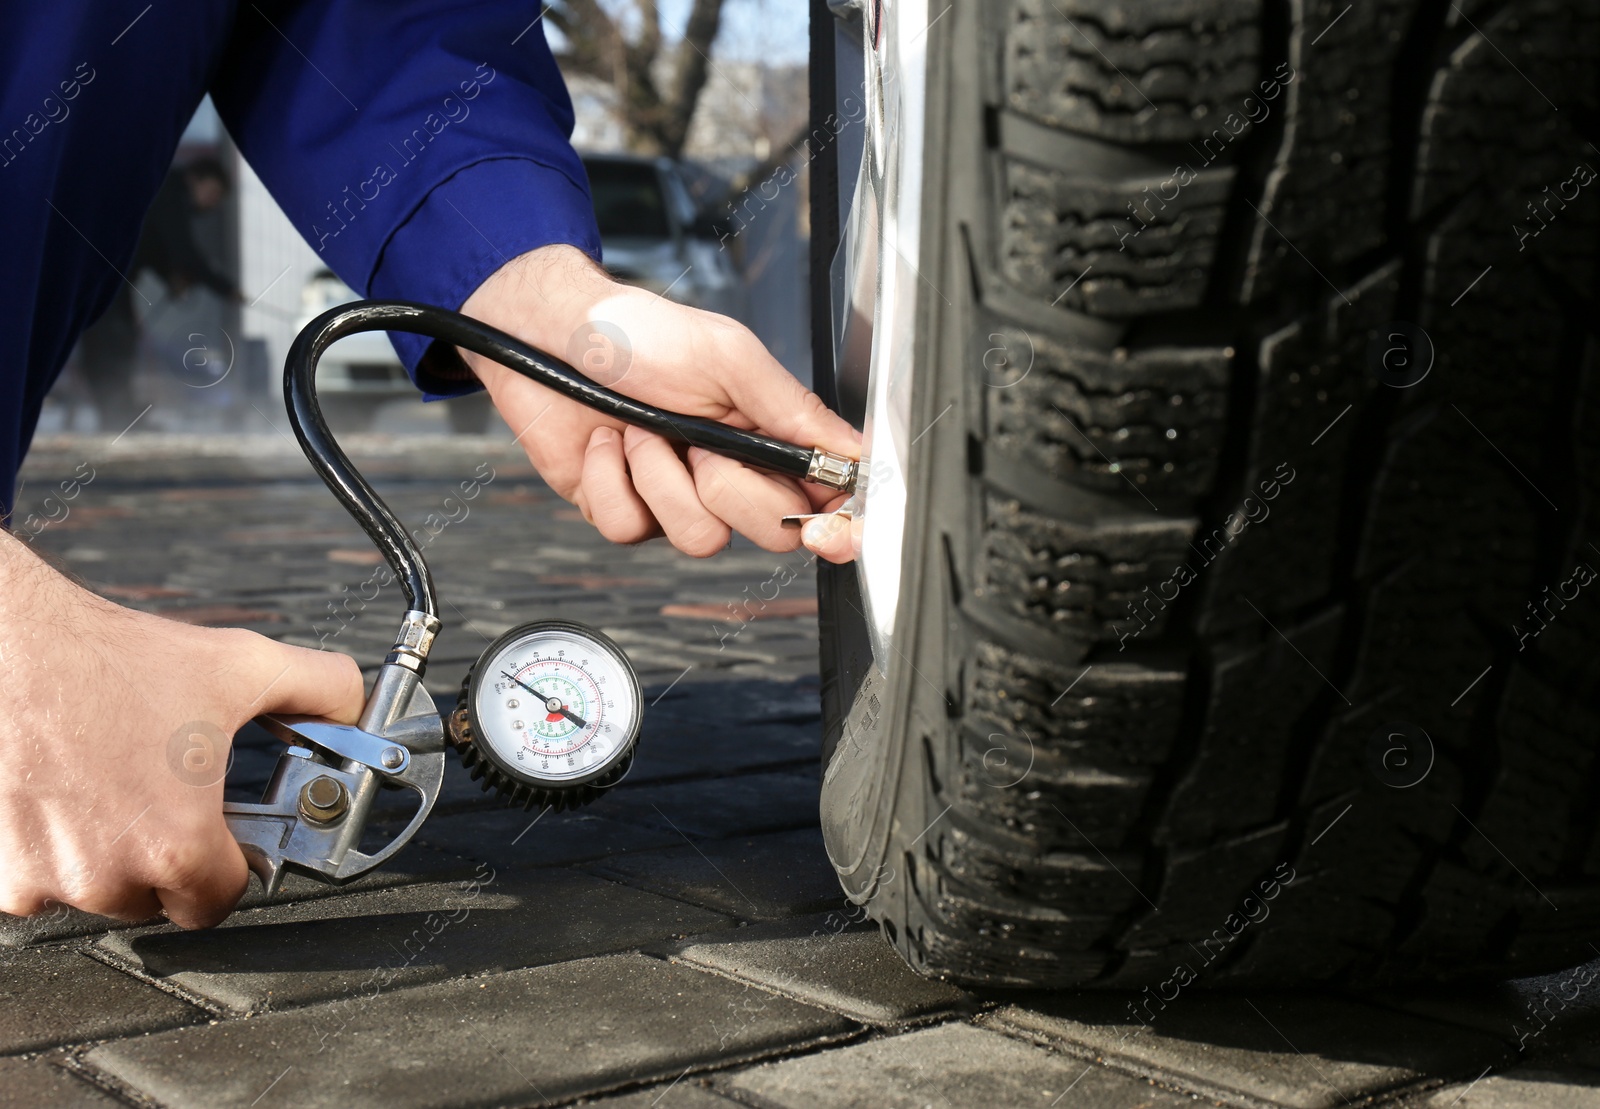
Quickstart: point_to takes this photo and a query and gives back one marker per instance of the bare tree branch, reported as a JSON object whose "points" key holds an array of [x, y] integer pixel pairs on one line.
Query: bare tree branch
{"points": [[591, 37], [649, 28], [694, 62], [655, 121]]}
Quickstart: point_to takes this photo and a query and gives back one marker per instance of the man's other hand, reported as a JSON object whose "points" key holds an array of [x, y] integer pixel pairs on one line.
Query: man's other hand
{"points": [[631, 484]]}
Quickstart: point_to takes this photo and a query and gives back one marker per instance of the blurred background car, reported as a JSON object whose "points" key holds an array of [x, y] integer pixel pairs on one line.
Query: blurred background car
{"points": [[653, 234]]}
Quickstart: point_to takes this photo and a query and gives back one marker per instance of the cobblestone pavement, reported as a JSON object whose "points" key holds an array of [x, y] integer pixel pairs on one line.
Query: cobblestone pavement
{"points": [[680, 944]]}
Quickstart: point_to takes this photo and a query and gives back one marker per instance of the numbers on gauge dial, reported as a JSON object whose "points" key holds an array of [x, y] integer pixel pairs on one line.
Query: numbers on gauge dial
{"points": [[549, 706]]}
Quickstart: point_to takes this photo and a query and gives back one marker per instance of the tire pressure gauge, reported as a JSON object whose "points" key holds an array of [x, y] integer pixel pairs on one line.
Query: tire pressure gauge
{"points": [[549, 715]]}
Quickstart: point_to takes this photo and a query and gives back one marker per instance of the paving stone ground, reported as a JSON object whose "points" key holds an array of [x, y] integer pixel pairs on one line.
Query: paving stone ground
{"points": [[682, 944]]}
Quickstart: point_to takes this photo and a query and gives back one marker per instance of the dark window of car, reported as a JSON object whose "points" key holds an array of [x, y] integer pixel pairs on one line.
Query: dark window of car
{"points": [[627, 200]]}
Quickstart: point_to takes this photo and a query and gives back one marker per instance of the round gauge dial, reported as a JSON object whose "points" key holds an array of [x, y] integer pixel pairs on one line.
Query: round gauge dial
{"points": [[550, 708]]}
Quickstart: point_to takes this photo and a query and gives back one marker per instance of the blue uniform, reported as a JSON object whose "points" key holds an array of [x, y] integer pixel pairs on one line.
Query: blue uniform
{"points": [[418, 145]]}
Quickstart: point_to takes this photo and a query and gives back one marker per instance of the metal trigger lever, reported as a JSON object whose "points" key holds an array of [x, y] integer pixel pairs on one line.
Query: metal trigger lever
{"points": [[315, 808]]}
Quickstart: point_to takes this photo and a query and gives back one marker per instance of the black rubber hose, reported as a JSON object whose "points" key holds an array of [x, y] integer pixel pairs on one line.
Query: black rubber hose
{"points": [[353, 490]]}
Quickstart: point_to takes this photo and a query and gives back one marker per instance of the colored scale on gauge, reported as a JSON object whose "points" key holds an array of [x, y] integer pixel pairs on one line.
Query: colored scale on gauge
{"points": [[553, 703]]}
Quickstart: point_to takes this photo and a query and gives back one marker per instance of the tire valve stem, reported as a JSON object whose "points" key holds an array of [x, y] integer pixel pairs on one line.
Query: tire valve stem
{"points": [[834, 471]]}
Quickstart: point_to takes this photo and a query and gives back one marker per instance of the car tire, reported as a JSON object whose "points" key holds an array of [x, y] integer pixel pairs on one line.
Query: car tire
{"points": [[1247, 633]]}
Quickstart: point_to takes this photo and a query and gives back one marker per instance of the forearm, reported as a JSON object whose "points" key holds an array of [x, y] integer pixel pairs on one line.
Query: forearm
{"points": [[541, 297], [33, 593], [54, 629]]}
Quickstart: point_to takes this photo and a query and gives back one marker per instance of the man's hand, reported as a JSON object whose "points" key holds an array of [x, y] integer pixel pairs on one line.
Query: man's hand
{"points": [[634, 485], [115, 728]]}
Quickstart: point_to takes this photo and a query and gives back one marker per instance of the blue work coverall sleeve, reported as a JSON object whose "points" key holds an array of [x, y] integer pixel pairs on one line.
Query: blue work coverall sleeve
{"points": [[417, 145]]}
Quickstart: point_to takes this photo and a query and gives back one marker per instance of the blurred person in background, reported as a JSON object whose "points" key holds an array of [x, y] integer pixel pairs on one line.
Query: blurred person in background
{"points": [[109, 349]]}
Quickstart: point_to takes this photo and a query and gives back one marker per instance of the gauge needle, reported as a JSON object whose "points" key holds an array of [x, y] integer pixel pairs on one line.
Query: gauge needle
{"points": [[554, 706], [524, 685]]}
